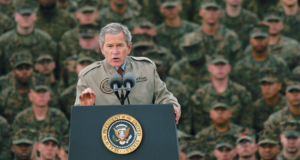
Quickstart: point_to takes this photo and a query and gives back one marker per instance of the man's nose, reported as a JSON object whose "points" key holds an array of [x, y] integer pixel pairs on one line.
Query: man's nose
{"points": [[115, 50]]}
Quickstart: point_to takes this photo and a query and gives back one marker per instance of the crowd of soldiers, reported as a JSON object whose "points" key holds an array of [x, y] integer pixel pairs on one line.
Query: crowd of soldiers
{"points": [[234, 66]]}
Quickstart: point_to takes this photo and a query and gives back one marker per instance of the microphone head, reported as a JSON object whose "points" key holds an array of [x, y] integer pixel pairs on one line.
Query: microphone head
{"points": [[115, 79], [129, 77]]}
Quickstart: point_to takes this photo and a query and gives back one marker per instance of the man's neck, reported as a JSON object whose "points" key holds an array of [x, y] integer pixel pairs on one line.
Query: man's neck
{"points": [[222, 128], [40, 112], [118, 9], [176, 22], [295, 110], [290, 155], [233, 11], [260, 56], [273, 100], [51, 77], [290, 10], [22, 88], [220, 84], [25, 31], [248, 158], [274, 39], [210, 29]]}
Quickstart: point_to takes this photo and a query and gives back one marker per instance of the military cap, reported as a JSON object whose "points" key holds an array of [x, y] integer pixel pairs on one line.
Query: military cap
{"points": [[48, 136], [169, 3], [209, 3], [219, 105], [269, 75], [195, 153], [146, 24], [290, 128], [260, 30], [268, 137], [24, 7], [296, 70], [44, 57], [156, 56], [218, 58], [22, 57], [244, 137], [85, 58], [291, 85], [65, 143], [272, 14], [224, 144], [142, 40], [41, 88], [87, 5], [88, 30], [23, 136]]}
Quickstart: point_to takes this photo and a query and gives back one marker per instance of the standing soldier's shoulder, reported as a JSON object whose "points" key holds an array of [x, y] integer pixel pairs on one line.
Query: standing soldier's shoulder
{"points": [[192, 38], [7, 35], [42, 34], [89, 68]]}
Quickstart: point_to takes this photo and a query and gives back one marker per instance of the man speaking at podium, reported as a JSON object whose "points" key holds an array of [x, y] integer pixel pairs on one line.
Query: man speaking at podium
{"points": [[93, 87]]}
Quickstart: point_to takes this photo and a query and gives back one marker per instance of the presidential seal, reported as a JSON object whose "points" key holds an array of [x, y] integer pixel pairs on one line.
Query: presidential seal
{"points": [[105, 87], [122, 134]]}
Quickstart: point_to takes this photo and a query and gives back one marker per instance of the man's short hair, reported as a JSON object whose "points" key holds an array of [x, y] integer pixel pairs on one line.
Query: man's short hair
{"points": [[115, 28]]}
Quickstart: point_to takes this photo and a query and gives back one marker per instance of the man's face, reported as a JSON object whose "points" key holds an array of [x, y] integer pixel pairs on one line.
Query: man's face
{"points": [[89, 42], [219, 71], [294, 97], [289, 2], [45, 67], [48, 150], [275, 26], [119, 3], [63, 155], [171, 12], [210, 15], [224, 153], [115, 49], [23, 73], [233, 2], [270, 89], [182, 155], [26, 20], [80, 66], [87, 17], [220, 115], [39, 98], [22, 151], [47, 3], [246, 149], [259, 44], [290, 144], [268, 151]]}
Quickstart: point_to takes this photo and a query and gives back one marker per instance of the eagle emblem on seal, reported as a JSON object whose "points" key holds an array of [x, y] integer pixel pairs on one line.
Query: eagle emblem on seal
{"points": [[122, 132]]}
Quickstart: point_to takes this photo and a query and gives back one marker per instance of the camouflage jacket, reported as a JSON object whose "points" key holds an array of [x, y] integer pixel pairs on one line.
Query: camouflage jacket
{"points": [[291, 25], [69, 44], [236, 96], [286, 48], [281, 157], [242, 24], [5, 143], [54, 21], [223, 40], [193, 77], [247, 72], [107, 15], [67, 99], [37, 43], [6, 23], [169, 37], [55, 120], [262, 111], [7, 9]]}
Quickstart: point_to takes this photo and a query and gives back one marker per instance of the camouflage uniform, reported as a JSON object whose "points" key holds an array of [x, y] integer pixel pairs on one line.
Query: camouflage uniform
{"points": [[286, 48], [55, 120], [169, 37], [7, 9], [291, 25], [242, 24], [107, 15], [280, 156], [5, 151], [235, 95], [6, 23], [67, 99], [259, 6], [71, 8], [54, 21], [134, 4]]}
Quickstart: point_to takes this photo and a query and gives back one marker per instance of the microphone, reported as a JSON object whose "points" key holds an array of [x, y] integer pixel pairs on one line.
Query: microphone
{"points": [[129, 80], [115, 82]]}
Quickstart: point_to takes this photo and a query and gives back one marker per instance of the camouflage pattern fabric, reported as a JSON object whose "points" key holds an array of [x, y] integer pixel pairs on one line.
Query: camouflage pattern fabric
{"points": [[55, 121], [187, 9], [37, 43], [242, 24], [247, 72], [236, 96], [5, 144], [67, 99], [6, 23], [259, 6], [169, 37], [291, 25], [286, 48], [280, 156], [71, 8], [7, 9], [55, 22]]}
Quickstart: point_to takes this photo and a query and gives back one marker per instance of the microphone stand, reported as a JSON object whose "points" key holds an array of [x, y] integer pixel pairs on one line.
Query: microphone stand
{"points": [[123, 97]]}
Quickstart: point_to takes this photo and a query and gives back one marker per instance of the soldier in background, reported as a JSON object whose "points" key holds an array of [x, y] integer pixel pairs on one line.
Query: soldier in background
{"points": [[238, 19], [5, 142], [48, 145], [25, 36], [68, 6], [271, 101], [246, 147], [170, 32], [53, 20], [63, 152], [134, 4], [268, 145], [7, 7], [279, 45], [247, 70], [221, 88], [224, 149], [22, 144], [6, 24]]}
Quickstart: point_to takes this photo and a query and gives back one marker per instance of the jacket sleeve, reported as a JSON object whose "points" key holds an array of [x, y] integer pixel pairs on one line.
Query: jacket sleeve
{"points": [[81, 86]]}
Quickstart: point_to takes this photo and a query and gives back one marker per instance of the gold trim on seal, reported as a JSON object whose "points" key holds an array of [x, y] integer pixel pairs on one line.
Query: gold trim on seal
{"points": [[105, 133]]}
